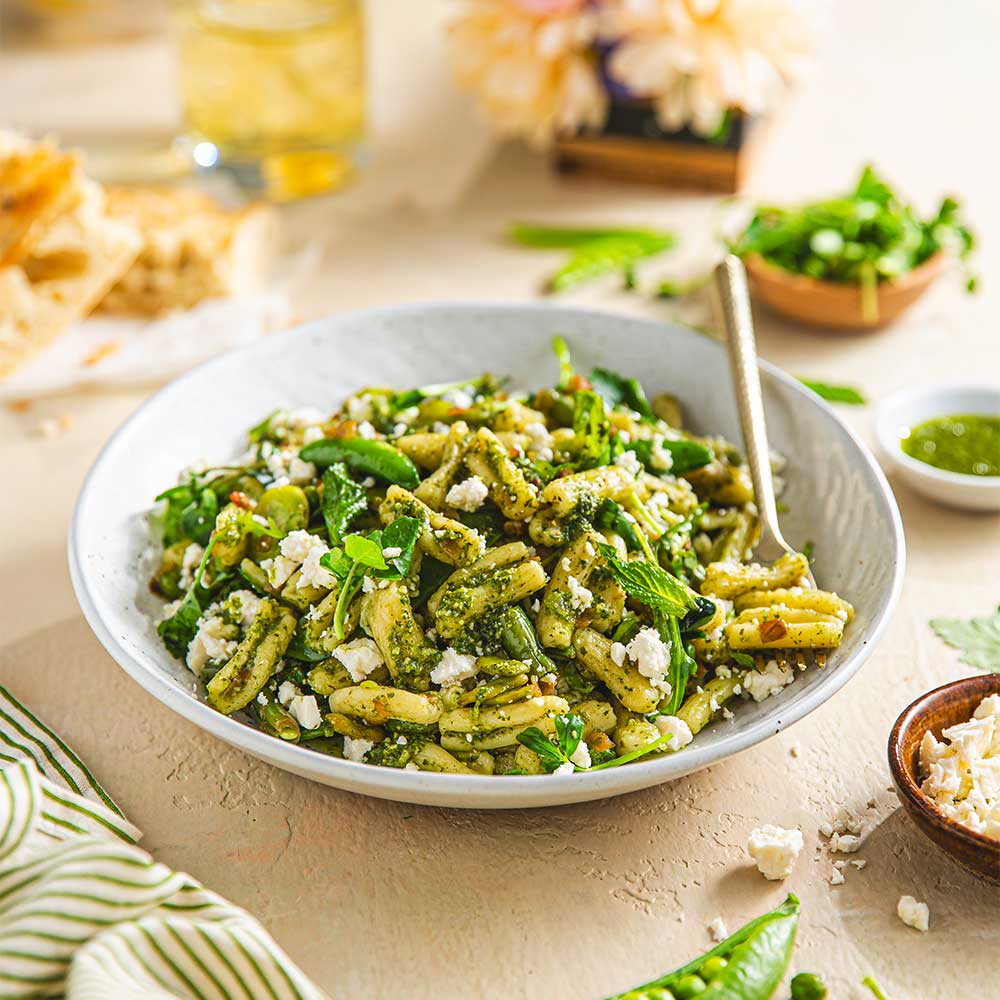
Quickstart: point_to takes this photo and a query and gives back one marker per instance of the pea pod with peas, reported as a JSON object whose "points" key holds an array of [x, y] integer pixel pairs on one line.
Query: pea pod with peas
{"points": [[367, 456], [748, 965]]}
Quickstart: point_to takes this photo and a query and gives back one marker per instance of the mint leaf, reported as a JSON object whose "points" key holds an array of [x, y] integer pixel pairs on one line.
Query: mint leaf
{"points": [[650, 584], [978, 639], [835, 393]]}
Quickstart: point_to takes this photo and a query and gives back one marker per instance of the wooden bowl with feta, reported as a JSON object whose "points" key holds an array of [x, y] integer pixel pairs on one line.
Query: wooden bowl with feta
{"points": [[944, 755]]}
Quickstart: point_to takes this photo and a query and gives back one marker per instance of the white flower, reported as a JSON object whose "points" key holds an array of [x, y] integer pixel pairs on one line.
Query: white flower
{"points": [[532, 63], [699, 58]]}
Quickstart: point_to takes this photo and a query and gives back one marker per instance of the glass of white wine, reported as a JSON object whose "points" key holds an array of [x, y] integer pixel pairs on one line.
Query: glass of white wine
{"points": [[273, 90]]}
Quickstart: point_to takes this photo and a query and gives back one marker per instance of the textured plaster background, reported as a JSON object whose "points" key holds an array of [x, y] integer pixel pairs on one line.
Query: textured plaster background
{"points": [[376, 899]]}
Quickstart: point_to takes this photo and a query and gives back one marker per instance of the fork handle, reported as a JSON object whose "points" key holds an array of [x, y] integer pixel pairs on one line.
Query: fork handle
{"points": [[734, 299]]}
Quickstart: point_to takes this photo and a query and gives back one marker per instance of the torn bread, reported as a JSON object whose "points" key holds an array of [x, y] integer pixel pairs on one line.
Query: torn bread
{"points": [[193, 249], [61, 252]]}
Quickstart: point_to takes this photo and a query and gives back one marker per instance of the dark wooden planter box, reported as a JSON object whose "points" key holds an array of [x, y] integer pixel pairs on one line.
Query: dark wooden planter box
{"points": [[632, 146]]}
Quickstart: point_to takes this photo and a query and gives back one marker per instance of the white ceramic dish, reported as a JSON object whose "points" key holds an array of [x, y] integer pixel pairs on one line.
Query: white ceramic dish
{"points": [[903, 410], [836, 493]]}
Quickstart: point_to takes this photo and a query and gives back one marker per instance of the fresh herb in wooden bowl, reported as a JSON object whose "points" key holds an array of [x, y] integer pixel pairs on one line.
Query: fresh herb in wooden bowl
{"points": [[855, 261]]}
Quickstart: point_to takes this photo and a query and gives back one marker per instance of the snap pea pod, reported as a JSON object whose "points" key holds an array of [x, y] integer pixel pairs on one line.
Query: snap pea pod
{"points": [[371, 458], [275, 721], [517, 636], [748, 965]]}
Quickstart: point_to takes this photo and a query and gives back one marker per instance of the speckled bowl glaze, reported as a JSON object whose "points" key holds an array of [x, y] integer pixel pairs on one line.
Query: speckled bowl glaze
{"points": [[945, 706], [837, 496]]}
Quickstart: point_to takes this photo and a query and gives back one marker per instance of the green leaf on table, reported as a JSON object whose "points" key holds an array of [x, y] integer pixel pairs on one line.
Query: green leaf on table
{"points": [[569, 237], [607, 255], [343, 500], [835, 393], [978, 639], [650, 584]]}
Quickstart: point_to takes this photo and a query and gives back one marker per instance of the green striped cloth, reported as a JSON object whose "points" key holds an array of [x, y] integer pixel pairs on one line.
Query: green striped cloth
{"points": [[86, 914]]}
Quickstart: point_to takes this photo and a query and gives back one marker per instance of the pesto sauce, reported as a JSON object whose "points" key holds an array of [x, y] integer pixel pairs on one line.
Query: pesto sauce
{"points": [[963, 443]]}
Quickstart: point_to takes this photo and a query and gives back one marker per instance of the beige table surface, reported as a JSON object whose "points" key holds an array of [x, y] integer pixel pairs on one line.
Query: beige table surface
{"points": [[376, 899]]}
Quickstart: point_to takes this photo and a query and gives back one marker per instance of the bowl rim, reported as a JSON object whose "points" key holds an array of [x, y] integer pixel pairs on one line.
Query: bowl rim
{"points": [[890, 442], [385, 782], [907, 785], [764, 270]]}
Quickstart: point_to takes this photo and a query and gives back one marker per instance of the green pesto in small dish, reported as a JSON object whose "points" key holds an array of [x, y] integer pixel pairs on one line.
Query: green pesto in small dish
{"points": [[965, 443]]}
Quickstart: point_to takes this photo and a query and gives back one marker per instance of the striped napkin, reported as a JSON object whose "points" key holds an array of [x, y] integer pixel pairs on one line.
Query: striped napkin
{"points": [[86, 914]]}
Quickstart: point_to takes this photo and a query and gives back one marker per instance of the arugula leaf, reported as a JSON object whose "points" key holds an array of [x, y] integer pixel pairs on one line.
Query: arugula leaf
{"points": [[343, 500], [198, 517], [835, 393], [745, 660], [977, 638], [366, 550], [566, 369], [610, 515], [650, 584], [685, 455], [616, 389], [592, 430], [607, 254], [682, 664]]}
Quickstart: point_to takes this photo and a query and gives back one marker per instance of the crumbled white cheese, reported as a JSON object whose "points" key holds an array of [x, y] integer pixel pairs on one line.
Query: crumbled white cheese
{"points": [[618, 653], [299, 550], [768, 682], [454, 668], [540, 441], [837, 877], [189, 565], [367, 585], [287, 693], [581, 755], [565, 768], [679, 731], [306, 711], [213, 641], [391, 552], [366, 430], [300, 471], [360, 408], [717, 928], [859, 863], [468, 495], [301, 418], [360, 658], [913, 913], [311, 434], [248, 604], [651, 657], [356, 749], [775, 850], [411, 767], [458, 398], [629, 461], [845, 843], [580, 597], [962, 770]]}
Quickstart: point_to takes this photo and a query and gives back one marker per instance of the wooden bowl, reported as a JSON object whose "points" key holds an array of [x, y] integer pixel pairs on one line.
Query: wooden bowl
{"points": [[834, 304], [938, 709]]}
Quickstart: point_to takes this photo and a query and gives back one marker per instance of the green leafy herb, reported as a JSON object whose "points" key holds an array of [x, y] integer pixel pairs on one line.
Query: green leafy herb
{"points": [[365, 550], [686, 456], [977, 638], [402, 534], [550, 754], [682, 664], [484, 384], [611, 516], [876, 990], [616, 389], [650, 584], [593, 432], [745, 660], [862, 238], [835, 393], [343, 500], [593, 252]]}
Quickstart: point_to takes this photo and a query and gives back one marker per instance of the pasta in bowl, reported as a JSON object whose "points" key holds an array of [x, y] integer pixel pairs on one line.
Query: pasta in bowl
{"points": [[466, 579], [835, 496]]}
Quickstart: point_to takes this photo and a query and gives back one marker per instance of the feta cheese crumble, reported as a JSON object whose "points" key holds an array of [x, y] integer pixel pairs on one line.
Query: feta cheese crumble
{"points": [[540, 441], [775, 850], [679, 731], [299, 551], [845, 843], [360, 658], [717, 928], [306, 711], [913, 913], [629, 461], [962, 770], [580, 597], [581, 755], [287, 692], [454, 668], [651, 657], [468, 495], [768, 682], [356, 749], [189, 565], [565, 768], [391, 552]]}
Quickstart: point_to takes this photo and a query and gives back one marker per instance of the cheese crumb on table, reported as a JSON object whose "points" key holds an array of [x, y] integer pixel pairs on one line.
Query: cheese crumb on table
{"points": [[717, 928], [775, 850], [913, 913]]}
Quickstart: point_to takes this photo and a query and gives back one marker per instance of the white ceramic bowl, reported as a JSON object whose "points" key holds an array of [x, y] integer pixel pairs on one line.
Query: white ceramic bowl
{"points": [[836, 493], [903, 410]]}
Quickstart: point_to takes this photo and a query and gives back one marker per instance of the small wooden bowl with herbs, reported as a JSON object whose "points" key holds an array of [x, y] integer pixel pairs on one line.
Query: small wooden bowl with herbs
{"points": [[852, 263]]}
